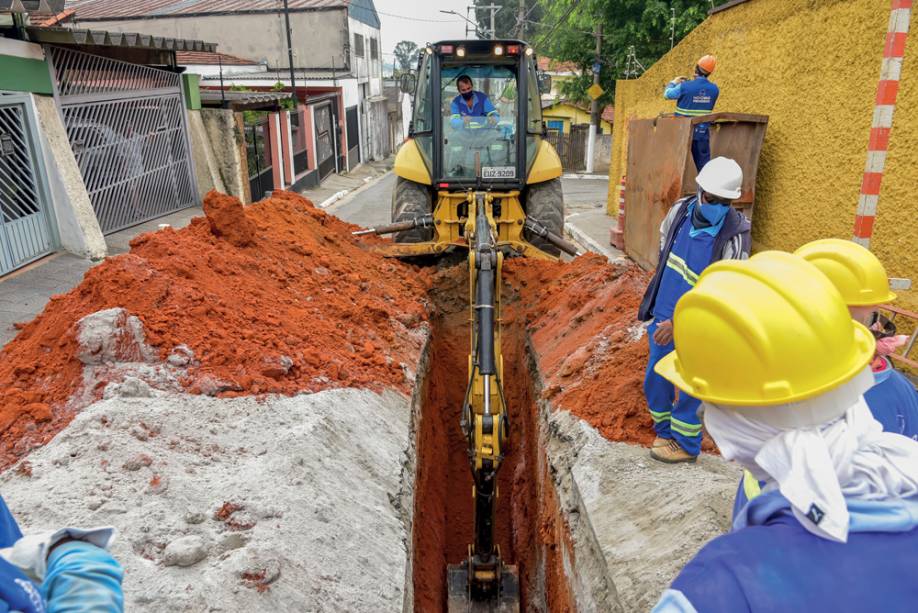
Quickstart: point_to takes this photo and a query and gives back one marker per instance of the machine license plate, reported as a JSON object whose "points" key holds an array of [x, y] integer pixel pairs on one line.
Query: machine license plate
{"points": [[498, 172]]}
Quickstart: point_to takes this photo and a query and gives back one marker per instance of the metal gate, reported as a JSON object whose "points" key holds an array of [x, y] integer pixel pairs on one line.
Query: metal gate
{"points": [[325, 145], [571, 147], [126, 125], [26, 231], [259, 148]]}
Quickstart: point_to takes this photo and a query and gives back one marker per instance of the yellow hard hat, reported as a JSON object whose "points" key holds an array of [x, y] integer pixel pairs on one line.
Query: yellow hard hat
{"points": [[764, 331], [857, 274]]}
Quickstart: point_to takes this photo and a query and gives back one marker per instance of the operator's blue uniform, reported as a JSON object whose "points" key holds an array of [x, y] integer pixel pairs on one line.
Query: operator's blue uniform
{"points": [[769, 562], [693, 99], [892, 400], [481, 107]]}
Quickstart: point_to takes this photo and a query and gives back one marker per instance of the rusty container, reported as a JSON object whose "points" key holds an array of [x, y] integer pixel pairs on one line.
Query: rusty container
{"points": [[660, 170]]}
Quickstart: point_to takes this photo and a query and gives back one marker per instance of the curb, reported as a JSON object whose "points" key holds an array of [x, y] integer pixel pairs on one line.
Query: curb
{"points": [[581, 237], [344, 196], [585, 176]]}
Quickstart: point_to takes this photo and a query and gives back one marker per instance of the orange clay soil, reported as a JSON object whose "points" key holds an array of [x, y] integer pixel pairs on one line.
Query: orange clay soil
{"points": [[249, 291]]}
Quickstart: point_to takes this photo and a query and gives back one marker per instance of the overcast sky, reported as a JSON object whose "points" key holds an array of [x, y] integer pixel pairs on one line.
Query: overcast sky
{"points": [[410, 24]]}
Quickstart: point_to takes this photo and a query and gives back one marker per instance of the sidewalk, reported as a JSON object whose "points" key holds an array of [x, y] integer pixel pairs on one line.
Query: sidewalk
{"points": [[590, 228], [336, 187]]}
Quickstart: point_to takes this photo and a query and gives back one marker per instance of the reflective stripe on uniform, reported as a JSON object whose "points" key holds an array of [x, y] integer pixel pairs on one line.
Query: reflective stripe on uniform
{"points": [[684, 428], [659, 416], [692, 112], [751, 487], [679, 265]]}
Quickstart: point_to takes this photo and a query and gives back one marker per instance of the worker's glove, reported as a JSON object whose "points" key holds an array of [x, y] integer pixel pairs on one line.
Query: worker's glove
{"points": [[30, 553]]}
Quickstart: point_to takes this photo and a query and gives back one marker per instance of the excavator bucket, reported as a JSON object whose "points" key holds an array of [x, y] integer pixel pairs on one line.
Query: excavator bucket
{"points": [[461, 599]]}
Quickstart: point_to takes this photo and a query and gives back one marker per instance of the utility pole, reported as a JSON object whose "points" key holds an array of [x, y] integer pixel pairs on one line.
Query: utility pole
{"points": [[594, 107], [290, 56], [493, 8]]}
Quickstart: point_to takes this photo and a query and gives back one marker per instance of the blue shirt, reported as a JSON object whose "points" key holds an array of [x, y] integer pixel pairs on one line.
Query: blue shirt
{"points": [[481, 107], [693, 98], [893, 400], [689, 256], [772, 563]]}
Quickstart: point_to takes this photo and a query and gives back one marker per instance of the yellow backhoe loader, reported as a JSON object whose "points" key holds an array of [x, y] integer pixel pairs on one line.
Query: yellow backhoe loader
{"points": [[477, 174]]}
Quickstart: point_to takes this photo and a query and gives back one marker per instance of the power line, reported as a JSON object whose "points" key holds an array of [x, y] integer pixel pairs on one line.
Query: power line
{"points": [[363, 8], [560, 21]]}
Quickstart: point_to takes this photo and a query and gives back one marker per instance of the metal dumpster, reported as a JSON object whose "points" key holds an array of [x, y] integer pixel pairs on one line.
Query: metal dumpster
{"points": [[660, 170]]}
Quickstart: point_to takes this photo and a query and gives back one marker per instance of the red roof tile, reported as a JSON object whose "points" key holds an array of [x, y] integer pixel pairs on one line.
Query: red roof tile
{"points": [[550, 65]]}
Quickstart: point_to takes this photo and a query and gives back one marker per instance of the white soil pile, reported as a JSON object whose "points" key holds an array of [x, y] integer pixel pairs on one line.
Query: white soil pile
{"points": [[277, 504]]}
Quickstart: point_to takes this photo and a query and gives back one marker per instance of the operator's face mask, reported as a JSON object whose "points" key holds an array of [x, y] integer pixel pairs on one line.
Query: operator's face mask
{"points": [[468, 95]]}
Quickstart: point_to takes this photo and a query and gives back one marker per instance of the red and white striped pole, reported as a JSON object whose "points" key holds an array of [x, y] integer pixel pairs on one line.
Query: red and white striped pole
{"points": [[617, 235], [887, 92]]}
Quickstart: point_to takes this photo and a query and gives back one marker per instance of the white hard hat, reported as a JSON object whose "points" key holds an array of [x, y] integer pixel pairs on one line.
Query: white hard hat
{"points": [[721, 177]]}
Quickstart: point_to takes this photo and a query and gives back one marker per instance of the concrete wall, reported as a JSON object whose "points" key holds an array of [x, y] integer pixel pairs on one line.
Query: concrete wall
{"points": [[319, 37], [813, 68], [77, 225], [602, 153], [216, 145]]}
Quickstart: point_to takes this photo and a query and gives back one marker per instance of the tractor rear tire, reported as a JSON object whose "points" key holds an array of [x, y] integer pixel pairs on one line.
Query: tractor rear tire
{"points": [[409, 201], [545, 204]]}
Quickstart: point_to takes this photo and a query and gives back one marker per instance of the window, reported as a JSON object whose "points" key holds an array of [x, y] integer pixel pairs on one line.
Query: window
{"points": [[358, 45], [374, 49]]}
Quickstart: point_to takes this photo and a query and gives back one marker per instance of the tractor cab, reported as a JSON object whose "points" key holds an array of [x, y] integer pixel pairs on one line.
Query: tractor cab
{"points": [[489, 133]]}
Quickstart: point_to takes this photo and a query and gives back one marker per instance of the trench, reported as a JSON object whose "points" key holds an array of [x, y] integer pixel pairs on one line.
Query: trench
{"points": [[530, 530]]}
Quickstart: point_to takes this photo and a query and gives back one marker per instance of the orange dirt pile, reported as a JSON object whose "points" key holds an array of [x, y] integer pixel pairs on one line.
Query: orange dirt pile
{"points": [[582, 318], [277, 297]]}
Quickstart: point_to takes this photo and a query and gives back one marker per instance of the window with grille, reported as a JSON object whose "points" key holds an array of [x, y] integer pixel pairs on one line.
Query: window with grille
{"points": [[358, 45], [374, 49]]}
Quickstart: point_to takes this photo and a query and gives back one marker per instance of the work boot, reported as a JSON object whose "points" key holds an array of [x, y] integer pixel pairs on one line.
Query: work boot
{"points": [[672, 453], [660, 442]]}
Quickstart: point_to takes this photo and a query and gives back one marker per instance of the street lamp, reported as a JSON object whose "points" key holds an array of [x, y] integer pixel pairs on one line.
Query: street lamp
{"points": [[477, 32]]}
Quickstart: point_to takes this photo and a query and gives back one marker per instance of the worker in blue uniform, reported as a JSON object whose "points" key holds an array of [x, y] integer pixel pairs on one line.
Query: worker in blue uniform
{"points": [[770, 348], [67, 570], [471, 106], [698, 230], [694, 98], [861, 279]]}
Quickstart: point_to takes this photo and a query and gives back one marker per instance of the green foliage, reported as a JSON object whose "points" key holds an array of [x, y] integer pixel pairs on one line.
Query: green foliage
{"points": [[506, 19], [406, 53], [643, 24]]}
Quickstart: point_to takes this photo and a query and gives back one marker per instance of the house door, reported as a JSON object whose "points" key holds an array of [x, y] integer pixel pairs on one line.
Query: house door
{"points": [[325, 145]]}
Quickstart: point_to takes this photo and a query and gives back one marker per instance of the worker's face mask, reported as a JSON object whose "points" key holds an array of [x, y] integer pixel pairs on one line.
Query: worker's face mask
{"points": [[714, 212], [467, 95]]}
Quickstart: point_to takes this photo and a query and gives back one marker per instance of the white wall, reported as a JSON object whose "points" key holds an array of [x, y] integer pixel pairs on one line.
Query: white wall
{"points": [[366, 68]]}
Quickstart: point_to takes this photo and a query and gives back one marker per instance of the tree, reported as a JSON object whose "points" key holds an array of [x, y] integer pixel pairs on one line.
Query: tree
{"points": [[405, 54], [506, 21], [566, 34]]}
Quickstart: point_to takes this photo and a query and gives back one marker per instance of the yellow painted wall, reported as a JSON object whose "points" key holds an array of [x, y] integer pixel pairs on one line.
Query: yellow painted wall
{"points": [[567, 112], [812, 66]]}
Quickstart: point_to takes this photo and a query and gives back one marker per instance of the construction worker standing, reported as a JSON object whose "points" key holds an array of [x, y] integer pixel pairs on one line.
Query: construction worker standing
{"points": [[861, 279], [772, 352], [698, 230], [694, 98]]}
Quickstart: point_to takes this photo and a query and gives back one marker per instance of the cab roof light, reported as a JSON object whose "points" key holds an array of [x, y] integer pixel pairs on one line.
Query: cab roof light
{"points": [[446, 49], [513, 49], [528, 50], [498, 49], [460, 52]]}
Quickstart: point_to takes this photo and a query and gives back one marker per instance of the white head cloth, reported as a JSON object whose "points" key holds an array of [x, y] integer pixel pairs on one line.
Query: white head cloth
{"points": [[816, 465]]}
